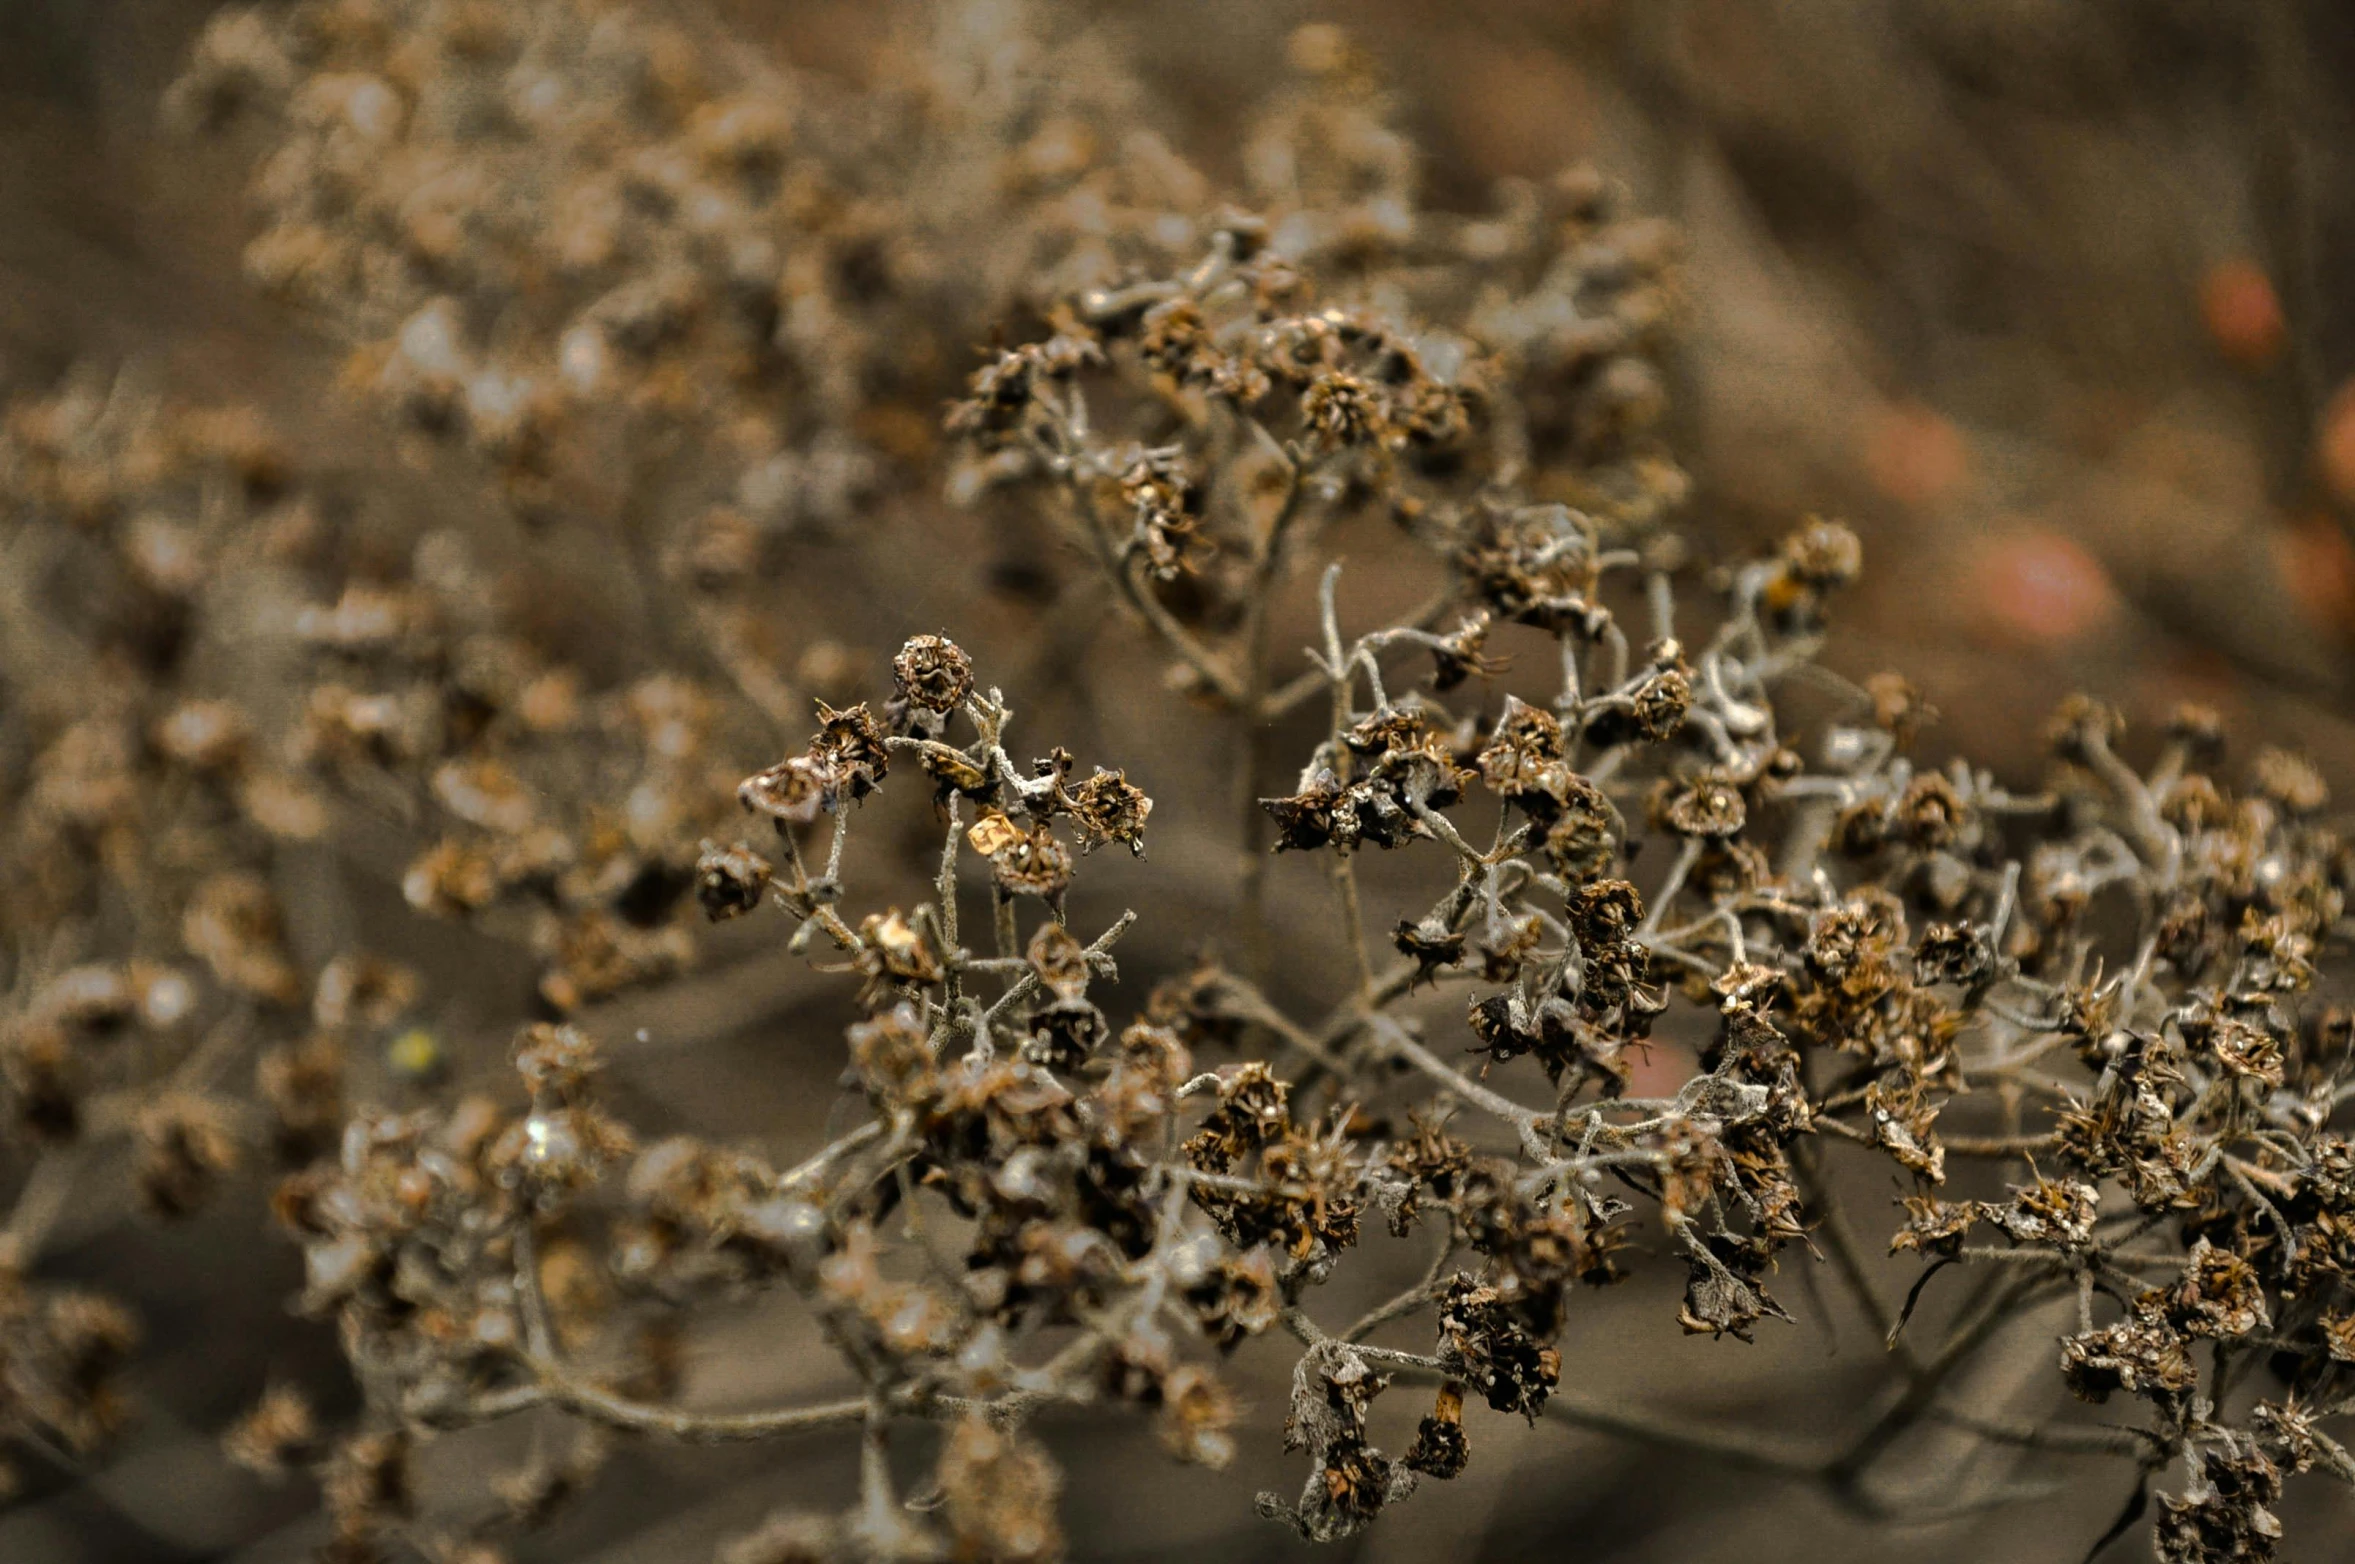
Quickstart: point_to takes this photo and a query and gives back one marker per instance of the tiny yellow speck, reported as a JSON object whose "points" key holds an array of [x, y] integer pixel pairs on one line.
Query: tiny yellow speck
{"points": [[416, 1053]]}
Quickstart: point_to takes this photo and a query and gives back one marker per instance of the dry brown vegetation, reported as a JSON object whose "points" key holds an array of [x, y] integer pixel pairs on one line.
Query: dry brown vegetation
{"points": [[581, 743]]}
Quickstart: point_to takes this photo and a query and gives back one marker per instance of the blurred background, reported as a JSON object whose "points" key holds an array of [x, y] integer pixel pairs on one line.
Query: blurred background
{"points": [[2053, 300]]}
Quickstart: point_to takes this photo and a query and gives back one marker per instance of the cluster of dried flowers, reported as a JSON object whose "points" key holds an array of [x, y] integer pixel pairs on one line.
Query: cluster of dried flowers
{"points": [[228, 689], [560, 229], [2111, 980], [141, 945]]}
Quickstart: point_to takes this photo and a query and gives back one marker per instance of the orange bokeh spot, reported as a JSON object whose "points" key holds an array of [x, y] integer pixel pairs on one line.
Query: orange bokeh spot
{"points": [[2317, 565], [2243, 313], [1914, 455], [1659, 1068], [2042, 588], [2334, 444]]}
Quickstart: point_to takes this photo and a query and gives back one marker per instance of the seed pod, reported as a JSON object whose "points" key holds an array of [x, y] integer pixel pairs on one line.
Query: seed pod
{"points": [[729, 881], [933, 672]]}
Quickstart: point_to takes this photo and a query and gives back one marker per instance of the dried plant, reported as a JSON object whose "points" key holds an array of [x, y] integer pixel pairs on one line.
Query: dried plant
{"points": [[1701, 931]]}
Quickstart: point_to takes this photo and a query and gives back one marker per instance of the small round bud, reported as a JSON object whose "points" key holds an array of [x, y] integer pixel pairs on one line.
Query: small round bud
{"points": [[2081, 725], [729, 880], [1708, 807], [2200, 729], [933, 672], [2289, 780], [1823, 554]]}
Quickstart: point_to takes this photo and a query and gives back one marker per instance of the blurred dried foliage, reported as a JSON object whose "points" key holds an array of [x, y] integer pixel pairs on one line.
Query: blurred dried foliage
{"points": [[451, 450]]}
